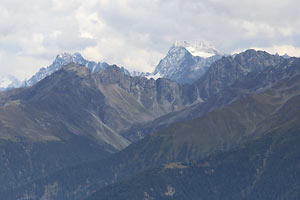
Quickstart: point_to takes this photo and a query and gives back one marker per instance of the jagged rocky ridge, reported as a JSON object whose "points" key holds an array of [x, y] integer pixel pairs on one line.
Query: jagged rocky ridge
{"points": [[184, 63], [226, 81], [61, 60]]}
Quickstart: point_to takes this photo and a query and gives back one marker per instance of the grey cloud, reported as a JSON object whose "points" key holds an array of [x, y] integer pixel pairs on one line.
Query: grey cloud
{"points": [[69, 41], [75, 43], [10, 47], [139, 26]]}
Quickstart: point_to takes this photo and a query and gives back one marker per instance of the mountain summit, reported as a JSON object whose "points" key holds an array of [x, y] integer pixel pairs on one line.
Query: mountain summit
{"points": [[184, 63], [61, 60]]}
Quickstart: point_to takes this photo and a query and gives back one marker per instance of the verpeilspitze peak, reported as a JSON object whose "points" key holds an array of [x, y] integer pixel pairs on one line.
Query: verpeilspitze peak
{"points": [[186, 62]]}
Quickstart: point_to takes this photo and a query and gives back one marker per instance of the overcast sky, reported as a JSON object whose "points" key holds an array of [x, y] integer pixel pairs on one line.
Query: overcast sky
{"points": [[138, 33]]}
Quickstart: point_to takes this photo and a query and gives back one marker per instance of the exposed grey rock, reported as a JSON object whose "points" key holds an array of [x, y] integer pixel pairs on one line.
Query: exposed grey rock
{"points": [[185, 63], [61, 60], [226, 81]]}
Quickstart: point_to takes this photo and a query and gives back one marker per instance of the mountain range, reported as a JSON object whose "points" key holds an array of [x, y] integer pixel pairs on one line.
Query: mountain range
{"points": [[183, 63], [92, 130], [226, 81]]}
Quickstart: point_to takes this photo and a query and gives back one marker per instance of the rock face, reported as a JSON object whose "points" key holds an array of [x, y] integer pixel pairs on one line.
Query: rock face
{"points": [[225, 128], [226, 81], [185, 63], [234, 69], [61, 60]]}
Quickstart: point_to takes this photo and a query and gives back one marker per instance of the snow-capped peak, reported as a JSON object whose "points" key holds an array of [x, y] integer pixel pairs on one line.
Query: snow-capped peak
{"points": [[201, 48], [9, 82], [185, 63], [64, 59]]}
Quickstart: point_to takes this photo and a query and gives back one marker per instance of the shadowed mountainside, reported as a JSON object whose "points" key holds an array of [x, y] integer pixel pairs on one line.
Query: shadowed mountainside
{"points": [[75, 109], [253, 120], [266, 168], [226, 81]]}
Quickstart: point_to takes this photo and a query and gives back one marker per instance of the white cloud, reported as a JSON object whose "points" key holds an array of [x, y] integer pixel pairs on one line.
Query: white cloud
{"points": [[283, 49], [276, 49], [137, 33]]}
